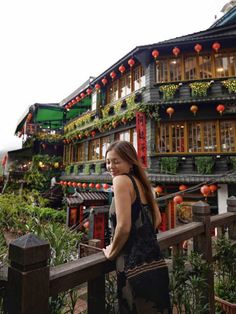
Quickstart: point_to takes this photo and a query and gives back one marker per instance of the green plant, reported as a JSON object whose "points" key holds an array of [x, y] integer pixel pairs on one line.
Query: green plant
{"points": [[199, 88], [75, 169], [168, 91], [204, 164], [87, 169], [233, 162], [117, 106], [111, 301], [152, 110], [169, 165], [98, 168], [188, 284], [230, 84]]}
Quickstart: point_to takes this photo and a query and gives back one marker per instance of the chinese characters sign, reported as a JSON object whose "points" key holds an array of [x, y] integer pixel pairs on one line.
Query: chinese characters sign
{"points": [[141, 137]]}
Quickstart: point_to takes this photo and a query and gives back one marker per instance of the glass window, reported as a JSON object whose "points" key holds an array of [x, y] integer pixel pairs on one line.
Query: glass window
{"points": [[113, 92], [135, 141], [94, 149], [227, 136], [80, 152], [222, 65], [94, 101], [123, 136], [125, 85], [209, 136], [139, 78], [205, 69], [105, 142], [161, 71], [190, 68], [232, 64], [175, 69], [194, 137], [163, 139], [177, 134]]}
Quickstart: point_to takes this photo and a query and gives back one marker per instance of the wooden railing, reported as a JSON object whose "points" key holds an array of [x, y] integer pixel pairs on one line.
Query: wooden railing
{"points": [[30, 282]]}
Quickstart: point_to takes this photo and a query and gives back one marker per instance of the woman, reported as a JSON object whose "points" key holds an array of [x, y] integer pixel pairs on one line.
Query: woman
{"points": [[131, 189]]}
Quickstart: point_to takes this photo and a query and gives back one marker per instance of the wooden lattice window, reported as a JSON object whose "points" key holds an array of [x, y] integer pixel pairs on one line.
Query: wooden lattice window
{"points": [[113, 92], [80, 152], [228, 136], [194, 137], [125, 85], [190, 68], [139, 78], [162, 71], [105, 142], [205, 66], [94, 149]]}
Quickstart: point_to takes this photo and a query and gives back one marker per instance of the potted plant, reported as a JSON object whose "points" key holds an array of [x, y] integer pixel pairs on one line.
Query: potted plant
{"points": [[225, 275], [199, 88], [204, 164], [168, 91], [230, 84]]}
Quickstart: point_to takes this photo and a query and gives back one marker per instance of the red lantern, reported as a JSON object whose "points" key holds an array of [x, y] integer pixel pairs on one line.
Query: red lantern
{"points": [[98, 186], [104, 81], [65, 183], [131, 62], [212, 188], [220, 109], [84, 185], [91, 185], [216, 46], [205, 190], [97, 86], [77, 98], [194, 109], [93, 133], [79, 185], [170, 111], [158, 189], [155, 53], [88, 91], [105, 186], [113, 74], [198, 48], [122, 69], [178, 199], [182, 187], [69, 183], [74, 184], [176, 51], [82, 95], [124, 120], [73, 101]]}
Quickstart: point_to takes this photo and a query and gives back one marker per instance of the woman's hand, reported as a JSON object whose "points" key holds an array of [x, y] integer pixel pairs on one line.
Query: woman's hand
{"points": [[107, 251]]}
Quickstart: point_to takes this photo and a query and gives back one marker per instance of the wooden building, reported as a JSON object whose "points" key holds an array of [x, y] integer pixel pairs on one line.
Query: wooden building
{"points": [[176, 102]]}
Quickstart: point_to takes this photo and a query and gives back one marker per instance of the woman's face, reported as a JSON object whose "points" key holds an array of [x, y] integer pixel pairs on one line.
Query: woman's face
{"points": [[116, 165]]}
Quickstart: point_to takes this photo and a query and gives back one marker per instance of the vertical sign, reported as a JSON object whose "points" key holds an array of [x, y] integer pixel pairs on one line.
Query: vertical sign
{"points": [[141, 137]]}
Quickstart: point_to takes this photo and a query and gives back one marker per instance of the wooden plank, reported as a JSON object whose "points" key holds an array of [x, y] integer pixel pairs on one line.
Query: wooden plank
{"points": [[223, 219]]}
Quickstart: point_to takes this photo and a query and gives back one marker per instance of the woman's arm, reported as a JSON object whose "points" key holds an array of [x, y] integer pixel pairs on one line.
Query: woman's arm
{"points": [[122, 194]]}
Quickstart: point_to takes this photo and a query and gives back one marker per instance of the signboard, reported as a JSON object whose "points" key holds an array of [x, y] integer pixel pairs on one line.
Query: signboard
{"points": [[141, 137]]}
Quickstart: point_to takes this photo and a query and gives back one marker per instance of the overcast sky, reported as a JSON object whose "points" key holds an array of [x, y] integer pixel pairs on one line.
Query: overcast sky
{"points": [[50, 47]]}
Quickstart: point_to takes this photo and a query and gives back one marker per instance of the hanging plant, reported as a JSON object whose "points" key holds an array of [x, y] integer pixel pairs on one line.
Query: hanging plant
{"points": [[105, 111], [117, 107], [169, 90], [204, 164], [230, 85], [199, 88], [151, 110]]}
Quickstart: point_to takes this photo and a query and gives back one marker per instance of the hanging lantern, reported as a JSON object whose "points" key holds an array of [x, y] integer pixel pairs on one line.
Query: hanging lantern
{"points": [[122, 69], [65, 183], [73, 101], [113, 74], [104, 81], [79, 185], [77, 98], [88, 91], [84, 185], [220, 109], [131, 62], [93, 133], [56, 164], [155, 53], [61, 182], [216, 46], [198, 48], [97, 86], [105, 186], [205, 190], [158, 189], [91, 185], [74, 184], [170, 111], [69, 183], [212, 188], [98, 186], [194, 109], [178, 199], [176, 51], [82, 95], [41, 165], [182, 187]]}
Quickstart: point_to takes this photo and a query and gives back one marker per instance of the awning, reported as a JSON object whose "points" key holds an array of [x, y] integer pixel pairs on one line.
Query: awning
{"points": [[81, 197]]}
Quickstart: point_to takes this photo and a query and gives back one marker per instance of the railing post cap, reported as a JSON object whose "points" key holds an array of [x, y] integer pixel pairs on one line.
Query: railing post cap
{"points": [[29, 250], [231, 201], [201, 208]]}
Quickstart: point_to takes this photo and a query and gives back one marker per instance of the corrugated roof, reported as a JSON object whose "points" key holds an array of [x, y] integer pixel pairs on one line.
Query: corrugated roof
{"points": [[81, 197], [192, 178]]}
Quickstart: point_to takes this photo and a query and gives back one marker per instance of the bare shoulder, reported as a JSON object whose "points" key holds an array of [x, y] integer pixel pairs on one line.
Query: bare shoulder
{"points": [[122, 181]]}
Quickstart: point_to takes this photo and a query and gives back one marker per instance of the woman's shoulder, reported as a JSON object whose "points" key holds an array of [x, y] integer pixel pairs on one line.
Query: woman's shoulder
{"points": [[121, 179]]}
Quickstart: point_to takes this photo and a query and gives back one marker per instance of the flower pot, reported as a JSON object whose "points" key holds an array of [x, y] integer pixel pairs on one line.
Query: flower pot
{"points": [[229, 308]]}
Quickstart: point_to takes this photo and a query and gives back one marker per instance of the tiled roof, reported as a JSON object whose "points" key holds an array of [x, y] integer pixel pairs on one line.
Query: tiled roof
{"points": [[106, 177], [80, 197]]}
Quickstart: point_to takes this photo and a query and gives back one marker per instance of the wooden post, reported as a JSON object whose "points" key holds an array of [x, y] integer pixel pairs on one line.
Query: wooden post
{"points": [[231, 202], [203, 245], [96, 295], [28, 276]]}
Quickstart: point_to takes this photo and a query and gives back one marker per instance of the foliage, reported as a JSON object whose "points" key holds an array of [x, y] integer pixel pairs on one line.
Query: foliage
{"points": [[230, 84], [169, 165], [168, 90], [200, 88], [225, 269], [188, 284], [204, 164], [233, 162], [98, 168], [75, 169], [87, 169], [111, 301], [152, 110]]}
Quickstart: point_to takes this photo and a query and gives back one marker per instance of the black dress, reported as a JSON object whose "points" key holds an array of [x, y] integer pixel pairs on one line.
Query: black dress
{"points": [[127, 302]]}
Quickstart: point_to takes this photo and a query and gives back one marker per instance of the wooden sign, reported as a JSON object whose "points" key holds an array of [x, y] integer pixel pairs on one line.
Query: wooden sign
{"points": [[141, 137]]}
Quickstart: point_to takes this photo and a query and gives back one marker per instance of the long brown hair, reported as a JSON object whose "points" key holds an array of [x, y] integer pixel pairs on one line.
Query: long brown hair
{"points": [[127, 152]]}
